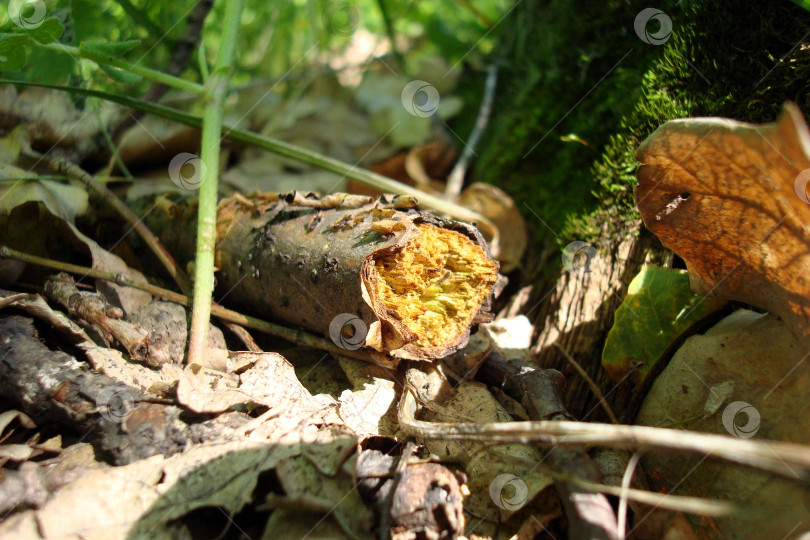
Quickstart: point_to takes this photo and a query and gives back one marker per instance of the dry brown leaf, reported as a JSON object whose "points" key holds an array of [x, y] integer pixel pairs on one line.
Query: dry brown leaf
{"points": [[731, 199], [503, 480]]}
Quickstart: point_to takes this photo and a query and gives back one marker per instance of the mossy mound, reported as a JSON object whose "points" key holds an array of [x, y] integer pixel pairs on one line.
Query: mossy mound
{"points": [[578, 67]]}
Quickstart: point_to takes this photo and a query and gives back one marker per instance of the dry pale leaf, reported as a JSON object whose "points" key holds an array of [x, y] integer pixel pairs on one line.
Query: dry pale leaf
{"points": [[8, 416], [270, 382], [368, 408], [739, 378], [301, 524], [303, 482], [144, 498], [503, 479], [732, 200], [15, 452]]}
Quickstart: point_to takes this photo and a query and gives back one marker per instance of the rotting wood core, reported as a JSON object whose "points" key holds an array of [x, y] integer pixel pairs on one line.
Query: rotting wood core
{"points": [[435, 284]]}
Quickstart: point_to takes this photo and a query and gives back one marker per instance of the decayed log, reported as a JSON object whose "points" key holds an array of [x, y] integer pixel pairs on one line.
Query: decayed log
{"points": [[405, 283]]}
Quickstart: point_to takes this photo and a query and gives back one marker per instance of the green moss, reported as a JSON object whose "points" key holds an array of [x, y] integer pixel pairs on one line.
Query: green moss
{"points": [[738, 59]]}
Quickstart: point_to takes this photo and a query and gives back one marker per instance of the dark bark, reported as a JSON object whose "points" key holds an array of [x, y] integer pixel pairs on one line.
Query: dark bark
{"points": [[52, 386], [577, 314]]}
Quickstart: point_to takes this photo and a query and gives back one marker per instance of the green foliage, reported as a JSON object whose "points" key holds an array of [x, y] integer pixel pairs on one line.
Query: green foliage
{"points": [[15, 42], [658, 309]]}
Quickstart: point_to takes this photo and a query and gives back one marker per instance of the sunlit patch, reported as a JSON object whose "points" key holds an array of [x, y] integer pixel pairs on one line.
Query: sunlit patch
{"points": [[435, 284]]}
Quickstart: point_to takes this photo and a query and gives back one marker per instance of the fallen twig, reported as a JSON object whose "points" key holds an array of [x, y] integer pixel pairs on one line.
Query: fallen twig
{"points": [[141, 345], [72, 170], [455, 180], [297, 336], [785, 459]]}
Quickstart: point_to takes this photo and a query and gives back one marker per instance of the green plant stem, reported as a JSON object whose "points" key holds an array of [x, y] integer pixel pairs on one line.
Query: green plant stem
{"points": [[282, 148], [146, 73], [297, 336], [216, 88], [389, 30]]}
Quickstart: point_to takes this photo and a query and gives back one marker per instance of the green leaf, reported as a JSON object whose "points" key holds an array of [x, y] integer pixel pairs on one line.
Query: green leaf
{"points": [[12, 57], [804, 3], [658, 310], [50, 30], [15, 38], [120, 75], [113, 49]]}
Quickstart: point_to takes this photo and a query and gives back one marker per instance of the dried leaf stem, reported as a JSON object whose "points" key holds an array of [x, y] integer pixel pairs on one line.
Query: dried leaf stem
{"points": [[785, 459], [297, 336], [71, 170]]}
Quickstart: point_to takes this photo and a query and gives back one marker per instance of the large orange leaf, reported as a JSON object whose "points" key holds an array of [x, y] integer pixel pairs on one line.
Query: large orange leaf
{"points": [[731, 199]]}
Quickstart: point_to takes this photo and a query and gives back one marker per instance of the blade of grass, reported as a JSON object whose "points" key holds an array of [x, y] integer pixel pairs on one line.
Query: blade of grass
{"points": [[146, 73], [216, 88], [291, 151]]}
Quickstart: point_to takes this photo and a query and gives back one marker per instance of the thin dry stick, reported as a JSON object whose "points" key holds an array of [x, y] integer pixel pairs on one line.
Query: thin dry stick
{"points": [[297, 336], [591, 384], [455, 180], [74, 171], [628, 476], [785, 459], [680, 503]]}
